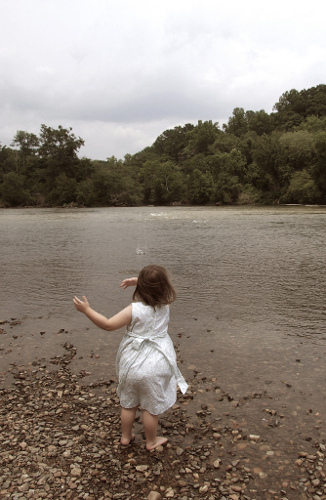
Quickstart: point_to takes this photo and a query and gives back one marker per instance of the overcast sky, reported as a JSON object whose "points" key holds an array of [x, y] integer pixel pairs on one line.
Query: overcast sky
{"points": [[120, 72]]}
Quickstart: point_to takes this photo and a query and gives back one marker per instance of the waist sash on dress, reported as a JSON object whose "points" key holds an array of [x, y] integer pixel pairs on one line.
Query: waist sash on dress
{"points": [[138, 342]]}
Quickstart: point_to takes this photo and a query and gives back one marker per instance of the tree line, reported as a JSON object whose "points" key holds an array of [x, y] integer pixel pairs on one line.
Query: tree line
{"points": [[255, 158]]}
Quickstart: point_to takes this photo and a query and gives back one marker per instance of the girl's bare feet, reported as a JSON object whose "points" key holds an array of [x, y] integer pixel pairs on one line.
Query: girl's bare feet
{"points": [[158, 442], [126, 441]]}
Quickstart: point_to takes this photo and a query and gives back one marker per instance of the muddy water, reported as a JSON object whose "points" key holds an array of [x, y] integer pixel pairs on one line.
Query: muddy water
{"points": [[251, 288]]}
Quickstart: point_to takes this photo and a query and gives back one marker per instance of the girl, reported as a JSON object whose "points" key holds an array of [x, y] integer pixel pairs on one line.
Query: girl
{"points": [[146, 361]]}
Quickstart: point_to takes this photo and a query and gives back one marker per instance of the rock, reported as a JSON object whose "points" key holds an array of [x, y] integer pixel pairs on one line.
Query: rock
{"points": [[141, 468], [236, 488], [67, 445], [154, 495], [75, 472]]}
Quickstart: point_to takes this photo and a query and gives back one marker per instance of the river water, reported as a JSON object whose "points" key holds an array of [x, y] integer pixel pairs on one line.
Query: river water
{"points": [[250, 280]]}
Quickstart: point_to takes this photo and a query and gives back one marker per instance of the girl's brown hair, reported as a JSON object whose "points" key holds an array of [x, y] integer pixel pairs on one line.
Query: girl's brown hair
{"points": [[154, 287]]}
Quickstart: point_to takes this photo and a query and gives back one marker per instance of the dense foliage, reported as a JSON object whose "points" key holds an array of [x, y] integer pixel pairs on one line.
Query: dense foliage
{"points": [[255, 158]]}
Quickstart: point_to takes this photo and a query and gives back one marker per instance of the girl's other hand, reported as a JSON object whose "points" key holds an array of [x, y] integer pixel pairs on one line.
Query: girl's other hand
{"points": [[129, 282], [81, 305]]}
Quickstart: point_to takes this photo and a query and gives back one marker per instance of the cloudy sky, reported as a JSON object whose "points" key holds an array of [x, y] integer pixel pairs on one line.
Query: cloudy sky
{"points": [[120, 72]]}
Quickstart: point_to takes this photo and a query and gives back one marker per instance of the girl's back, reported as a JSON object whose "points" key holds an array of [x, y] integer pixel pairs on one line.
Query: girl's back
{"points": [[149, 322]]}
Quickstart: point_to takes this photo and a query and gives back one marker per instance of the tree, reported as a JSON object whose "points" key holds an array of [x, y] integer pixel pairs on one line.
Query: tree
{"points": [[238, 123], [298, 149], [200, 187], [266, 165], [229, 170], [313, 124], [259, 122], [319, 170], [85, 193], [171, 143], [64, 190], [302, 189], [7, 160], [294, 107], [113, 184], [162, 182], [58, 151], [201, 137], [27, 146], [12, 190]]}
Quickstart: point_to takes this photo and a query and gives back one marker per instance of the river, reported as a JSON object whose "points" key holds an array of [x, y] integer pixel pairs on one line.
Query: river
{"points": [[250, 281]]}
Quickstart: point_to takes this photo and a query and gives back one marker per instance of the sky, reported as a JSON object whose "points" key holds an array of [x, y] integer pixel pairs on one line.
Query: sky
{"points": [[121, 72]]}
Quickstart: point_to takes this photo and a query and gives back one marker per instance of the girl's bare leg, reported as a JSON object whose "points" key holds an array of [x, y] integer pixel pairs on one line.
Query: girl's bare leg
{"points": [[127, 421], [150, 423]]}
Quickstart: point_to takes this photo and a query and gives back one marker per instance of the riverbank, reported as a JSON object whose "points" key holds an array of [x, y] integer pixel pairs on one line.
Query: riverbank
{"points": [[60, 437]]}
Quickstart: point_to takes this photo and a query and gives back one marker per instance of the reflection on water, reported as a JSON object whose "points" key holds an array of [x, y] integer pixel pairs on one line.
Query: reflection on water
{"points": [[240, 264]]}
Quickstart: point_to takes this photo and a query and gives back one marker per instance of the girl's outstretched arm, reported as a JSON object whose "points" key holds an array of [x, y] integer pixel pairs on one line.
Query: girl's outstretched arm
{"points": [[123, 318], [129, 282]]}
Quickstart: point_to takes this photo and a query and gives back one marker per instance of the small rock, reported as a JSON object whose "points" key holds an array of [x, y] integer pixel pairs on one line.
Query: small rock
{"points": [[141, 468], [75, 472], [154, 495]]}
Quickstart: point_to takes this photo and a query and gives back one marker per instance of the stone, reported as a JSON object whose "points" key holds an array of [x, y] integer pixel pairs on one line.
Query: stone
{"points": [[154, 495], [76, 472], [141, 468]]}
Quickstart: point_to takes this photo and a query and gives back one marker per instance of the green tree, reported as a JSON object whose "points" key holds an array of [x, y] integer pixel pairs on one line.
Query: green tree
{"points": [[27, 147], [58, 151], [113, 184], [85, 193], [298, 149], [171, 143], [200, 187], [201, 138], [265, 168], [302, 189], [319, 169], [237, 123], [12, 190], [229, 171], [64, 190], [294, 107], [259, 122], [7, 161], [313, 124], [162, 182]]}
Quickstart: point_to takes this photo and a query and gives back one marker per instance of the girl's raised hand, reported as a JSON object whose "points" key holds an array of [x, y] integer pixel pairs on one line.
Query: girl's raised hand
{"points": [[129, 282], [81, 305]]}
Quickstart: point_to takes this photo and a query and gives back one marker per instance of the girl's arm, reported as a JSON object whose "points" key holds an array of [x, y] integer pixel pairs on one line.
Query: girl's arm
{"points": [[129, 282], [123, 318]]}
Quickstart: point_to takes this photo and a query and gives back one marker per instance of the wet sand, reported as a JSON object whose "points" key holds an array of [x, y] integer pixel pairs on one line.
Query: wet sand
{"points": [[251, 425]]}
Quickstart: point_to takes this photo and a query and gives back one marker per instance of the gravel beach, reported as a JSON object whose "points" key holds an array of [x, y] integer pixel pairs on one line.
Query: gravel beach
{"points": [[60, 438]]}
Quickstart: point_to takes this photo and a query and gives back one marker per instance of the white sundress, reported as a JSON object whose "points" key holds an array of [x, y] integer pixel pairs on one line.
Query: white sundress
{"points": [[146, 362]]}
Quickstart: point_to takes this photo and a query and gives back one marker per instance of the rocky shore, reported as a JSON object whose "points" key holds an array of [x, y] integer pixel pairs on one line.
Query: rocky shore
{"points": [[60, 438]]}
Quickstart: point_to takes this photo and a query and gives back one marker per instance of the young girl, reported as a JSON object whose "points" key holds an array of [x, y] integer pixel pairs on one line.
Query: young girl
{"points": [[146, 361]]}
